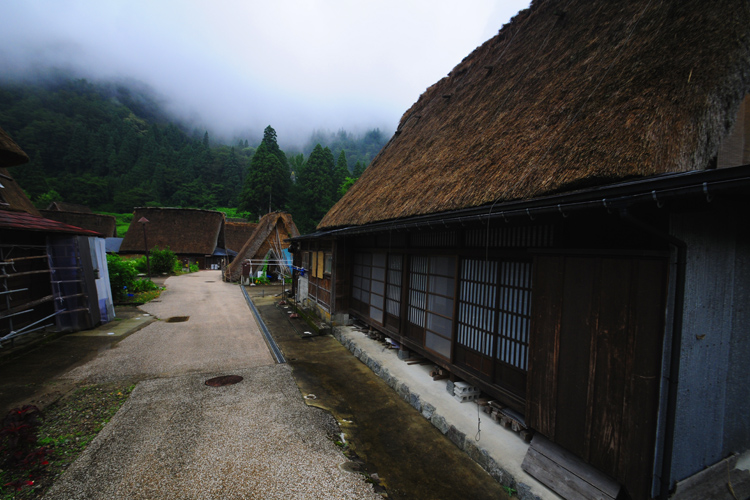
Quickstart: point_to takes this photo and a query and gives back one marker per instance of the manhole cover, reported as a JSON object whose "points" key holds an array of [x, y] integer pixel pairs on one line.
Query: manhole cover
{"points": [[178, 319], [210, 282], [223, 380]]}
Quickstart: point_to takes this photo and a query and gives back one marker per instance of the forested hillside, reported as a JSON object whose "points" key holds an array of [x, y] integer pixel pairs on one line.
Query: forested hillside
{"points": [[112, 147]]}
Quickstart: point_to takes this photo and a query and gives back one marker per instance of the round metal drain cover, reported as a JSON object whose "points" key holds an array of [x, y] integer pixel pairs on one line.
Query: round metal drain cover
{"points": [[178, 319], [210, 282], [223, 380]]}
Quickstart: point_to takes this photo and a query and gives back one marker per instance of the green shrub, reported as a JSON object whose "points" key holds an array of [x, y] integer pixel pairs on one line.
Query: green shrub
{"points": [[140, 264], [143, 285], [194, 268], [162, 261], [122, 274]]}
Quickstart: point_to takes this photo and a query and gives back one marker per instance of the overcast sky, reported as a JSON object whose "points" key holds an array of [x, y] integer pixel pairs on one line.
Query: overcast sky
{"points": [[233, 66]]}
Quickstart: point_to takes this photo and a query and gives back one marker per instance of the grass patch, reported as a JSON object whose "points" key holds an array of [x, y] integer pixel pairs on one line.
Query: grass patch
{"points": [[67, 428]]}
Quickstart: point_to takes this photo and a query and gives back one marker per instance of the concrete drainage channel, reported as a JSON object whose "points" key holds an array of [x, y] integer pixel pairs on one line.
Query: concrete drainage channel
{"points": [[266, 334]]}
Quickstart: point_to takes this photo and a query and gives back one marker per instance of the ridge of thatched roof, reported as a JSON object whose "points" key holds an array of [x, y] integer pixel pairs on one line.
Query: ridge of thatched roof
{"points": [[63, 206], [236, 234], [183, 230], [567, 95], [104, 224], [259, 243], [10, 153], [12, 196]]}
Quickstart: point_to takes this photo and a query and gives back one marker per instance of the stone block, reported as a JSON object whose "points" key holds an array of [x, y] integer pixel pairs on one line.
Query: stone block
{"points": [[457, 437], [427, 410], [415, 401], [439, 422]]}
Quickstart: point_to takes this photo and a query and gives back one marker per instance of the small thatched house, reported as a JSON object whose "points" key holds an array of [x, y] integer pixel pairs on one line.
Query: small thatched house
{"points": [[267, 244], [105, 225], [196, 236], [236, 234], [62, 206], [562, 222], [52, 275]]}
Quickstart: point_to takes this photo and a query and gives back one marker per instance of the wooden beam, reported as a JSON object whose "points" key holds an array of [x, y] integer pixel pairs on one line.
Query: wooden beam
{"points": [[28, 305]]}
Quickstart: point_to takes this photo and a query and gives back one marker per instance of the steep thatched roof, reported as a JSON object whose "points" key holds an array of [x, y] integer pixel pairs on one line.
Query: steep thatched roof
{"points": [[10, 153], [569, 94], [104, 224], [63, 206], [271, 232], [236, 234], [184, 230], [12, 197]]}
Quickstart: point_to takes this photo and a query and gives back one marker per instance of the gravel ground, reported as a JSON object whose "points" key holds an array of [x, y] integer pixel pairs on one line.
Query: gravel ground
{"points": [[178, 438], [220, 334]]}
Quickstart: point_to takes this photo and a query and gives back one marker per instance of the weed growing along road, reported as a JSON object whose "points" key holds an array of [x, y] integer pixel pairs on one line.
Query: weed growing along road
{"points": [[67, 427]]}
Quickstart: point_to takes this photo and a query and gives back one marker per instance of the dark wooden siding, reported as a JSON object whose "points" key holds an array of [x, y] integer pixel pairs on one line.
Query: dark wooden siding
{"points": [[597, 326]]}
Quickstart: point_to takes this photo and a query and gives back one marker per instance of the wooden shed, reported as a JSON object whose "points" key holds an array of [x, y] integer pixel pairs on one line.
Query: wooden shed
{"points": [[53, 276], [561, 221], [196, 236]]}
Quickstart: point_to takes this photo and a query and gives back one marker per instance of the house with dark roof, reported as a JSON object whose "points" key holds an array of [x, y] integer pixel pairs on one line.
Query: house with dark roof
{"points": [[196, 236], [266, 247], [562, 223], [53, 276], [236, 234], [105, 225]]}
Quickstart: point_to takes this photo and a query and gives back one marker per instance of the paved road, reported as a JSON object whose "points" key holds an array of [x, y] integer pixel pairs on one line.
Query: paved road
{"points": [[178, 438]]}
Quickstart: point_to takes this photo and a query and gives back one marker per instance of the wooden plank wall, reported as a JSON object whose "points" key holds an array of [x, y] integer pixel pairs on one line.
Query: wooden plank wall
{"points": [[597, 325]]}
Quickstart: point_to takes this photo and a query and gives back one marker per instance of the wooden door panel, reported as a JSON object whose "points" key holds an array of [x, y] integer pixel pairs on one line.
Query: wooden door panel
{"points": [[594, 361]]}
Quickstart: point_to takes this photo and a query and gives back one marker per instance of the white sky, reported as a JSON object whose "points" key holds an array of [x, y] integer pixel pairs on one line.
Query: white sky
{"points": [[234, 65]]}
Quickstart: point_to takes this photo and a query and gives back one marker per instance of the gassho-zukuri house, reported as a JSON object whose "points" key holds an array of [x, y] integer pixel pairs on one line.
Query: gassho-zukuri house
{"points": [[562, 221]]}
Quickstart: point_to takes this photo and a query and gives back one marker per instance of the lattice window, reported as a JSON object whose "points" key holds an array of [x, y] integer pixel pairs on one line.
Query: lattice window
{"points": [[361, 277], [393, 290], [514, 309], [377, 286], [434, 239], [418, 290], [510, 237], [476, 309]]}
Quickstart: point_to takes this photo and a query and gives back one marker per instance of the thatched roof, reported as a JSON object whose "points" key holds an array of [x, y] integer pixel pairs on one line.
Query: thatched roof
{"points": [[23, 221], [12, 197], [104, 224], [236, 234], [271, 232], [567, 95], [10, 153], [185, 231], [63, 206]]}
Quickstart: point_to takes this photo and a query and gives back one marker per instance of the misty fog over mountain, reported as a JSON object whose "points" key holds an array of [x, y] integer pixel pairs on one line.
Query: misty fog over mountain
{"points": [[233, 68]]}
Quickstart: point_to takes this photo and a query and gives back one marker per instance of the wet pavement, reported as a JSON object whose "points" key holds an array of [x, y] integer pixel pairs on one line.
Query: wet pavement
{"points": [[29, 373], [411, 457]]}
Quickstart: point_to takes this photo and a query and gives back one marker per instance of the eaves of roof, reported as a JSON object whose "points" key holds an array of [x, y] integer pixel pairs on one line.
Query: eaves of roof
{"points": [[653, 189]]}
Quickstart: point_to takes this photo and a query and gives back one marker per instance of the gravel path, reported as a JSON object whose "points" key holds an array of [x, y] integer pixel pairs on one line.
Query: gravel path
{"points": [[220, 334], [177, 438]]}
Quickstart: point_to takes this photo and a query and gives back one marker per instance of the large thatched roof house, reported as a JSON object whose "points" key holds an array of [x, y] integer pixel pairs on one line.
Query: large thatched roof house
{"points": [[194, 235], [268, 241], [236, 234], [53, 275], [561, 222], [81, 216]]}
